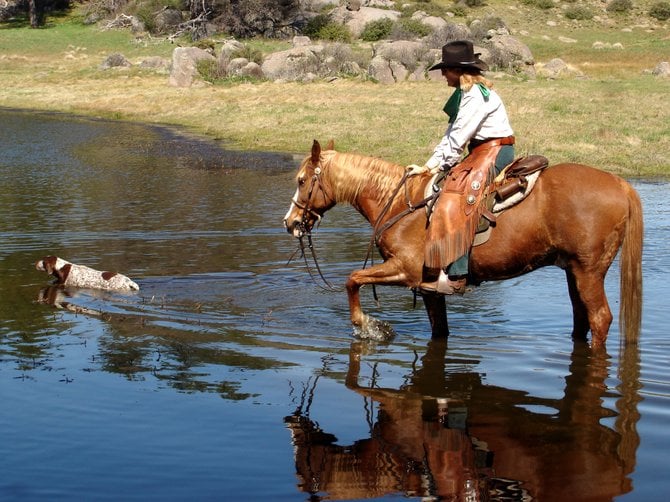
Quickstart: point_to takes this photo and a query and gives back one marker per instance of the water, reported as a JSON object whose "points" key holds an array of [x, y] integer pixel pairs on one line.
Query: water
{"points": [[231, 375]]}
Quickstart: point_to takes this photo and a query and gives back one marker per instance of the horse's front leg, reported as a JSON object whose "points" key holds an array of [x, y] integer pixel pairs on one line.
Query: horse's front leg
{"points": [[387, 273], [436, 307]]}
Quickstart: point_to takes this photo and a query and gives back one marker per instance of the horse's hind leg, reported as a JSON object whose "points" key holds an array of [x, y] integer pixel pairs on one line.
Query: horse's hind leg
{"points": [[437, 314], [580, 318], [590, 309]]}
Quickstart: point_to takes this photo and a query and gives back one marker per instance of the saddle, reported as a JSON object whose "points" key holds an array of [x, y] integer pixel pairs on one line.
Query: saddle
{"points": [[514, 183], [515, 177]]}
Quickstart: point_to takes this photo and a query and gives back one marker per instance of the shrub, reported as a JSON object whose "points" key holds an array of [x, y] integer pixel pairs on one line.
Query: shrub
{"points": [[620, 6], [453, 31], [481, 29], [660, 11], [334, 32], [250, 18], [540, 4], [545, 4], [430, 8], [410, 28], [249, 54], [578, 13], [458, 10], [377, 30], [313, 26], [209, 70], [205, 44]]}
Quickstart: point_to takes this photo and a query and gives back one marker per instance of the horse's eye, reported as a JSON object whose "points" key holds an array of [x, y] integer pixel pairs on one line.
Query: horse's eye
{"points": [[301, 181]]}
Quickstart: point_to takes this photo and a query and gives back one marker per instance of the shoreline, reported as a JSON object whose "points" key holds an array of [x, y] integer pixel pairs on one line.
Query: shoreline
{"points": [[581, 121]]}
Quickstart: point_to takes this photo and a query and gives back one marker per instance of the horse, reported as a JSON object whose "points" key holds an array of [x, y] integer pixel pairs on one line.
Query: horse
{"points": [[576, 217]]}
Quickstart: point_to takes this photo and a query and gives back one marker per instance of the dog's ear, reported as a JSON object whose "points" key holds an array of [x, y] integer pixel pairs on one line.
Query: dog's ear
{"points": [[49, 263], [63, 272]]}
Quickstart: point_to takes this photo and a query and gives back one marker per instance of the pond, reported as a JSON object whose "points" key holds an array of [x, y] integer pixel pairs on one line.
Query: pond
{"points": [[231, 375]]}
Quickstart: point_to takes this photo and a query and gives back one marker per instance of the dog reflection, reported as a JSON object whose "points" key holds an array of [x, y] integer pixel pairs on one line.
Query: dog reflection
{"points": [[450, 436], [59, 297]]}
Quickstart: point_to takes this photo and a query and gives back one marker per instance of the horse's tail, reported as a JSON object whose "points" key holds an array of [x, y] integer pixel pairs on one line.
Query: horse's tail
{"points": [[630, 262]]}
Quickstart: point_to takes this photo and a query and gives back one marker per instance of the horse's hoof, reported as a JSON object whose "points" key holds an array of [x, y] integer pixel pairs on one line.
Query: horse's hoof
{"points": [[373, 329]]}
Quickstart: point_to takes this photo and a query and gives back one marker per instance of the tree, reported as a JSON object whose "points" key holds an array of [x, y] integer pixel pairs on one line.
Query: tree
{"points": [[37, 9], [249, 18]]}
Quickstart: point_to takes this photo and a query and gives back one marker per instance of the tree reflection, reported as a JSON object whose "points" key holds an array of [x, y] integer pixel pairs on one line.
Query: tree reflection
{"points": [[152, 340], [447, 434]]}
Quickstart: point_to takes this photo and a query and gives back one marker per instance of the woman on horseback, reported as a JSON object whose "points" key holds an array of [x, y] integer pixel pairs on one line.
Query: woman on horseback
{"points": [[478, 120]]}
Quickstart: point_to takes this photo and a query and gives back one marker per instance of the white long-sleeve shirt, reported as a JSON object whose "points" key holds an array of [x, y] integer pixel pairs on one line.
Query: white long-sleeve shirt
{"points": [[479, 119]]}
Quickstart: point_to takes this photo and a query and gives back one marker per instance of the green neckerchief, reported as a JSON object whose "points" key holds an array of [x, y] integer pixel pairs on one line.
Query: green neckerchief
{"points": [[453, 104]]}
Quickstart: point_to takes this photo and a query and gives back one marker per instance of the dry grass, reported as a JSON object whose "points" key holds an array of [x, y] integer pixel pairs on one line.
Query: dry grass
{"points": [[615, 120]]}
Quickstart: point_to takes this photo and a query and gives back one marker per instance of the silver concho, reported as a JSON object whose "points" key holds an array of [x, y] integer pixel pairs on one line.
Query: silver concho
{"points": [[476, 185], [471, 199], [317, 171]]}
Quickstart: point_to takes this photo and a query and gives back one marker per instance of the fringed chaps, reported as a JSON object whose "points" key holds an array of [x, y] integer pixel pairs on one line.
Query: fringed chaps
{"points": [[457, 211]]}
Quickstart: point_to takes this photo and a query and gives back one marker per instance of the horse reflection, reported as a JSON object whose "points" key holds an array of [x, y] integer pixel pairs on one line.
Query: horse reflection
{"points": [[449, 435]]}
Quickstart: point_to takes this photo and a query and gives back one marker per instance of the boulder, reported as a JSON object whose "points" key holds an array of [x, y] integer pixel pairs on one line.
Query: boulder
{"points": [[184, 65], [662, 69], [115, 60], [167, 20], [251, 69], [379, 69], [292, 64], [509, 53], [157, 63], [398, 61], [384, 4], [356, 20], [228, 48], [557, 68], [405, 51], [420, 73], [242, 67], [318, 5], [301, 41], [434, 22]]}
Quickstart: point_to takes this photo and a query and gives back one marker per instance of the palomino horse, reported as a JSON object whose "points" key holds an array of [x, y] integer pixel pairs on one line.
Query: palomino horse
{"points": [[577, 218]]}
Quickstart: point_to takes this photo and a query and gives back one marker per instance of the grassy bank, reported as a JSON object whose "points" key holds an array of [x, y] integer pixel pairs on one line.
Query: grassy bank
{"points": [[617, 119]]}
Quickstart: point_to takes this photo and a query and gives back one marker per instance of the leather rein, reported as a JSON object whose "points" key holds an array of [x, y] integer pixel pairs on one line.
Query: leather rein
{"points": [[307, 210], [378, 228]]}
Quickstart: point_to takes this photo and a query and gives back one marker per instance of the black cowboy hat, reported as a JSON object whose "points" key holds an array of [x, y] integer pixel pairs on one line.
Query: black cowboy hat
{"points": [[460, 54]]}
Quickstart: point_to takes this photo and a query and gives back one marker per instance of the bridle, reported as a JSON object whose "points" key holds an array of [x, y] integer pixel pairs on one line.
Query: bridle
{"points": [[305, 208], [305, 232], [378, 228]]}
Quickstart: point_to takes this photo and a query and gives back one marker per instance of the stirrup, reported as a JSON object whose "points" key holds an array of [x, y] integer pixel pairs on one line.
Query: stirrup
{"points": [[444, 285]]}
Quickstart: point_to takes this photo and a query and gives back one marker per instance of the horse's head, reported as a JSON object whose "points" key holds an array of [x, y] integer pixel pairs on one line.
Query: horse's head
{"points": [[312, 198]]}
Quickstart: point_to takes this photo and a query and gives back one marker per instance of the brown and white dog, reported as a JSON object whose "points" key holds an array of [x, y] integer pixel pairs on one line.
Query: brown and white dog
{"points": [[81, 276]]}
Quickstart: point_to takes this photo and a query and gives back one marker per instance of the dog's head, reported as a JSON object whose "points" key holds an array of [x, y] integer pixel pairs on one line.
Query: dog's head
{"points": [[54, 266]]}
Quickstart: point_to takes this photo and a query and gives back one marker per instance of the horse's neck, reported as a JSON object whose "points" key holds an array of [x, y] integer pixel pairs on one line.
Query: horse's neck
{"points": [[366, 183]]}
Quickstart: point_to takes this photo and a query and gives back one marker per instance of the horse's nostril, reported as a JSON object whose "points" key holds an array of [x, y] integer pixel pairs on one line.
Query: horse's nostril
{"points": [[290, 227]]}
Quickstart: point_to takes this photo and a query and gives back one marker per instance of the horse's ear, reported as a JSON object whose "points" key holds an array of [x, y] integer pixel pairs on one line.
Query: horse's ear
{"points": [[316, 152], [330, 145]]}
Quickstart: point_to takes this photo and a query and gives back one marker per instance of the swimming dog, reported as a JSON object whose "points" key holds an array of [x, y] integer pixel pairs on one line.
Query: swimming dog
{"points": [[81, 276]]}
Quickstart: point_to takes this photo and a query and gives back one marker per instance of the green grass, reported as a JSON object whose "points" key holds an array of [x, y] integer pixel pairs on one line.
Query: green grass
{"points": [[616, 118], [60, 35]]}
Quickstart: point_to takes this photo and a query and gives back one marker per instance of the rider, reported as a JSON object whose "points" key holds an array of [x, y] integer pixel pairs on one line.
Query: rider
{"points": [[477, 118]]}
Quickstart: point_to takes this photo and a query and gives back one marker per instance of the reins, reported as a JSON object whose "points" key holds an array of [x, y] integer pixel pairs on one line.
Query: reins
{"points": [[377, 230], [305, 211]]}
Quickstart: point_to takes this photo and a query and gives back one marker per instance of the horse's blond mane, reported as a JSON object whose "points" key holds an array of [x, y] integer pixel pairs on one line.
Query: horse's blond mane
{"points": [[350, 173]]}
